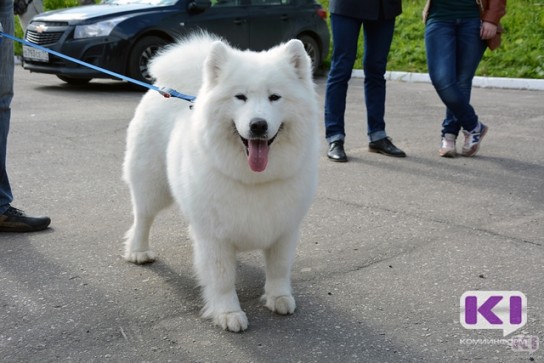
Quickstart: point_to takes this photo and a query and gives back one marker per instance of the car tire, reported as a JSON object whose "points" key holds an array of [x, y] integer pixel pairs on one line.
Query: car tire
{"points": [[141, 54], [74, 81], [312, 48]]}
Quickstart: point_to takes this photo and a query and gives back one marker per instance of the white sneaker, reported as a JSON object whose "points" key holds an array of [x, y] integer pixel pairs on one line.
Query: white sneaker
{"points": [[473, 140], [447, 147]]}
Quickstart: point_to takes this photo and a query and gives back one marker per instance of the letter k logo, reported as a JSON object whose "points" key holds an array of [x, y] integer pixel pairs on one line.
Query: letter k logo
{"points": [[472, 310], [501, 310]]}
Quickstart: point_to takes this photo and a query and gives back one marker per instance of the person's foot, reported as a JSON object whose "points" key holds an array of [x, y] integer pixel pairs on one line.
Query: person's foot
{"points": [[385, 146], [447, 146], [473, 140], [336, 151], [15, 220]]}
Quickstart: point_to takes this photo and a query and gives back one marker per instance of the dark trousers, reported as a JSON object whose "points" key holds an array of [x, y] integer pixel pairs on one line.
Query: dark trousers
{"points": [[378, 35]]}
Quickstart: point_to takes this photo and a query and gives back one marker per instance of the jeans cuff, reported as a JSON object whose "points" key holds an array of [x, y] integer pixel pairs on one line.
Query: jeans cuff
{"points": [[377, 135], [333, 138]]}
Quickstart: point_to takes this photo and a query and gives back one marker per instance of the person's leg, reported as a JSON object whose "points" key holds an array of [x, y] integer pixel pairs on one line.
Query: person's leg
{"points": [[11, 219], [378, 36], [440, 44], [470, 50], [6, 95], [444, 52], [345, 34]]}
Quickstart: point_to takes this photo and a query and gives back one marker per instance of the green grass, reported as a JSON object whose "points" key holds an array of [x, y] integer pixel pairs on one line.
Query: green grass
{"points": [[521, 54], [56, 4]]}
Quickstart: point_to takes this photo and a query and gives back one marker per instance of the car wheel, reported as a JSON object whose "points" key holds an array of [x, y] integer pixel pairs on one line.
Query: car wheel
{"points": [[74, 81], [141, 54], [312, 48]]}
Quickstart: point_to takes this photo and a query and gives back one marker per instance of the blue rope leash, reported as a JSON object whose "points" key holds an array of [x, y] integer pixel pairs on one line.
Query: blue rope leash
{"points": [[166, 92]]}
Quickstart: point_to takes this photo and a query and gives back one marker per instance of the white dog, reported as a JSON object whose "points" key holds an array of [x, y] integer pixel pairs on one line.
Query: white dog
{"points": [[241, 163]]}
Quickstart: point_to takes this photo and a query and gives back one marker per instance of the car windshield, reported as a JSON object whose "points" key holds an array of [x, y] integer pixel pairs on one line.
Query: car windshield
{"points": [[143, 2]]}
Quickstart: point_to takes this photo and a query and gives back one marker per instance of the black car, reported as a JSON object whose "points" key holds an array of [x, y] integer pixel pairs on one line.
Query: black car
{"points": [[122, 35]]}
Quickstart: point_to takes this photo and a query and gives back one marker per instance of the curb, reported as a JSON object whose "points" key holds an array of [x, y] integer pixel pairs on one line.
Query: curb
{"points": [[483, 82]]}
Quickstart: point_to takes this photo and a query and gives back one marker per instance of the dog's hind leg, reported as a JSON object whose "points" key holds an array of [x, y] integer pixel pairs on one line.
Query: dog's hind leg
{"points": [[279, 258], [148, 199], [215, 264], [137, 241]]}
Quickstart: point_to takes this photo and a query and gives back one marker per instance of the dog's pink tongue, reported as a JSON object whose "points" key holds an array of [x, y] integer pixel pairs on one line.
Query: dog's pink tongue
{"points": [[258, 154]]}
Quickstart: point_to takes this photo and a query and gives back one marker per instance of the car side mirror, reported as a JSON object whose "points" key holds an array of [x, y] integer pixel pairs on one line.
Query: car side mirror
{"points": [[198, 6]]}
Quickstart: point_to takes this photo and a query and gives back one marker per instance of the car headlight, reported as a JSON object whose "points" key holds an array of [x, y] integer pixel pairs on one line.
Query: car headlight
{"points": [[100, 29]]}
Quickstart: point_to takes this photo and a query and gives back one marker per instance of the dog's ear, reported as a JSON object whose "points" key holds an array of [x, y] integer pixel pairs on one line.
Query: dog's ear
{"points": [[299, 59], [215, 62]]}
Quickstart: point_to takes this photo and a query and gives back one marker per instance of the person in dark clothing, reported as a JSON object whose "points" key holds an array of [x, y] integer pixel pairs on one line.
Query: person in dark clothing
{"points": [[377, 19], [11, 219]]}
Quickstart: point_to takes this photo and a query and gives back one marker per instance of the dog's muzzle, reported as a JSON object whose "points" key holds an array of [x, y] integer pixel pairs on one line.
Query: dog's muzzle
{"points": [[258, 144]]}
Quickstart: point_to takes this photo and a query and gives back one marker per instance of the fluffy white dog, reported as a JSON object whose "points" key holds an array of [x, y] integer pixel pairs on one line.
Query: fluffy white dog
{"points": [[241, 163]]}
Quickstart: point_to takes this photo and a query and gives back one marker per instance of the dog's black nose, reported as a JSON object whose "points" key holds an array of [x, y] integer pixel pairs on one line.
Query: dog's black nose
{"points": [[258, 127]]}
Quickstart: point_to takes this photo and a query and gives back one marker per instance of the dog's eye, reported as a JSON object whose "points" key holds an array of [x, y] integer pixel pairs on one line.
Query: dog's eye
{"points": [[274, 97], [241, 97]]}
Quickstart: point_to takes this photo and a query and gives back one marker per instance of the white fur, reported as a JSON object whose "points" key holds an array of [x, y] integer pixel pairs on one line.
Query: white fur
{"points": [[197, 157]]}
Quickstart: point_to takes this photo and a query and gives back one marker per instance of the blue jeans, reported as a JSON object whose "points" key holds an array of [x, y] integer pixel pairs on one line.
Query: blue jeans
{"points": [[454, 51], [6, 94], [378, 35]]}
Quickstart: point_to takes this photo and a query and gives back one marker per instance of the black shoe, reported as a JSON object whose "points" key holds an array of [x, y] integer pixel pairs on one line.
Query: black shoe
{"points": [[15, 220], [386, 147], [336, 151]]}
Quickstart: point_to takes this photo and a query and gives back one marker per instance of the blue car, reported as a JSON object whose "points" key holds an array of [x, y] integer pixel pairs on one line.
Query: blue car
{"points": [[123, 35]]}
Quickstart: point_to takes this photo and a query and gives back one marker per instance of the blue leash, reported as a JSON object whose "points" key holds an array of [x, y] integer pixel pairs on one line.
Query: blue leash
{"points": [[166, 92]]}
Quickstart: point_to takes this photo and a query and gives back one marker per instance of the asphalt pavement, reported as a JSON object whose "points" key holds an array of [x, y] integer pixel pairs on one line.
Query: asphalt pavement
{"points": [[388, 248]]}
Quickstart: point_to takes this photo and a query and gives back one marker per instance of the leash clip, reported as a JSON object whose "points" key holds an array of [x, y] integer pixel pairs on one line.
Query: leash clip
{"points": [[165, 92]]}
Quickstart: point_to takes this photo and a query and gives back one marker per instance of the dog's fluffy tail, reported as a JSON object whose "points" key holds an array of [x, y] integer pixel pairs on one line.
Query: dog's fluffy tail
{"points": [[172, 68]]}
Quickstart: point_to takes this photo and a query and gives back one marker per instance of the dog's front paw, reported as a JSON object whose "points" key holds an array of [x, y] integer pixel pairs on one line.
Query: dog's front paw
{"points": [[283, 305], [140, 257], [234, 321]]}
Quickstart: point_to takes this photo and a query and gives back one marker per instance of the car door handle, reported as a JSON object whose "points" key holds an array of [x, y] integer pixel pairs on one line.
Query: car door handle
{"points": [[284, 17], [239, 21]]}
